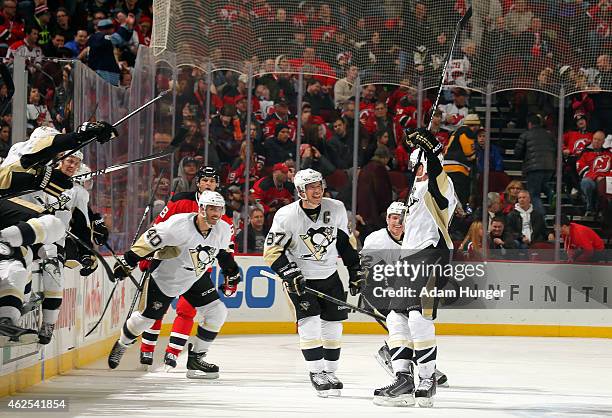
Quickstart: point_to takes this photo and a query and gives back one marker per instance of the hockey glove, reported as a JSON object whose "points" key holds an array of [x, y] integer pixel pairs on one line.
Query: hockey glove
{"points": [[101, 131], [52, 181], [357, 280], [230, 285], [89, 263], [425, 140], [293, 280], [122, 269], [144, 264], [99, 229]]}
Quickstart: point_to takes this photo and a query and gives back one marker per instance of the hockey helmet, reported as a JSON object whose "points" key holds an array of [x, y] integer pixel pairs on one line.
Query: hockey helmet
{"points": [[396, 208], [304, 177], [77, 154], [210, 198], [207, 171], [418, 157]]}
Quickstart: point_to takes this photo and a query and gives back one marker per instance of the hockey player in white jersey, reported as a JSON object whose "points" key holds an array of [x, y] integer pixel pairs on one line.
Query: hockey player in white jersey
{"points": [[426, 241], [302, 247], [184, 247]]}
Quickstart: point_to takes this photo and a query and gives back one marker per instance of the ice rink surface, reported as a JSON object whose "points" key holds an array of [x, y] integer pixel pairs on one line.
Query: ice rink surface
{"points": [[264, 376]]}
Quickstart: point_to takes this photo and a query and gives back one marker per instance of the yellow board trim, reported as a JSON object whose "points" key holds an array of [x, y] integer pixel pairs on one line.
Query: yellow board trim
{"points": [[22, 379], [238, 328]]}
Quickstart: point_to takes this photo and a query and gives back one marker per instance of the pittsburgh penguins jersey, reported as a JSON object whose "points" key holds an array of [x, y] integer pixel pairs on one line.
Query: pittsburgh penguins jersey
{"points": [[311, 244], [430, 209], [381, 246], [76, 198], [184, 254]]}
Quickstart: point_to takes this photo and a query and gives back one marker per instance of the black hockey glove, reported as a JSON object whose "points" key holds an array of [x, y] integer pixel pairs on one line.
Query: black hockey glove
{"points": [[122, 269], [101, 131], [425, 140], [293, 280], [89, 263], [230, 285], [99, 229], [52, 181], [357, 280]]}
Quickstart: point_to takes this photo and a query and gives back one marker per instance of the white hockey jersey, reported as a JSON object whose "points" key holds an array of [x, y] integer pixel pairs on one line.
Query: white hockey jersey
{"points": [[75, 198], [426, 222], [381, 246], [310, 244], [184, 252]]}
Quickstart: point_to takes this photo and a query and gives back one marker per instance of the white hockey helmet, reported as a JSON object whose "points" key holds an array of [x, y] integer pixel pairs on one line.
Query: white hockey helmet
{"points": [[305, 177], [417, 156], [396, 208], [210, 198], [77, 154]]}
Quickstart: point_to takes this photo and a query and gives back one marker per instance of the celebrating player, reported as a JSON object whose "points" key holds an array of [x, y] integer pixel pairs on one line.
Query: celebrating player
{"points": [[184, 248], [410, 320], [207, 178], [302, 247]]}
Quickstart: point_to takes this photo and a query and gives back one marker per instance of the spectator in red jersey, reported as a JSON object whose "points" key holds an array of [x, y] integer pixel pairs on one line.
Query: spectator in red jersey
{"points": [[279, 114], [442, 135], [274, 191], [594, 165], [581, 243], [238, 170], [368, 97], [574, 142], [143, 30], [11, 26], [199, 96]]}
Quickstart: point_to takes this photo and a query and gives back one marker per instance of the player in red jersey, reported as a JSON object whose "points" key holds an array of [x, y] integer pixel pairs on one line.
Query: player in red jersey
{"points": [[186, 202]]}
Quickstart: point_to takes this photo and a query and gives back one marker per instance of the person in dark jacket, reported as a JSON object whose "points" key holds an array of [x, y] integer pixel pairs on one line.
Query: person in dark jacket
{"points": [[537, 149], [101, 48], [374, 191], [256, 234], [280, 148], [524, 223], [496, 159], [340, 145], [500, 240]]}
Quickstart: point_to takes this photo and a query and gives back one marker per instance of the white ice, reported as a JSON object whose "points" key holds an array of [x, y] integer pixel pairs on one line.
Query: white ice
{"points": [[264, 376]]}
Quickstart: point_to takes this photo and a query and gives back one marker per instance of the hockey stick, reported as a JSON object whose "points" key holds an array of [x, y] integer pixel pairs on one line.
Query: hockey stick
{"points": [[139, 286], [114, 125], [178, 139], [328, 297], [117, 260], [460, 25]]}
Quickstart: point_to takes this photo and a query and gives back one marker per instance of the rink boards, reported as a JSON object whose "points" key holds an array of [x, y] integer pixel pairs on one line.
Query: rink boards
{"points": [[261, 307]]}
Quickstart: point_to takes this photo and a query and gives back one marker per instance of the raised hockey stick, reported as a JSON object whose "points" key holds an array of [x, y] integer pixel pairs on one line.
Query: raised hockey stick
{"points": [[328, 297], [114, 125], [460, 25], [178, 139]]}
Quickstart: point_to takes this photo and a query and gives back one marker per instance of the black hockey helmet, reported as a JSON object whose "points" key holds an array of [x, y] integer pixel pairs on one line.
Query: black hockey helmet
{"points": [[208, 171]]}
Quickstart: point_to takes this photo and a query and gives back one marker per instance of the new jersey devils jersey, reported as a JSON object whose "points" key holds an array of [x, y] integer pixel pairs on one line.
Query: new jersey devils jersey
{"points": [[311, 244]]}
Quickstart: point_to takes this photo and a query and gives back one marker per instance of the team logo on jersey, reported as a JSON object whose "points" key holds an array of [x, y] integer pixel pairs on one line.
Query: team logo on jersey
{"points": [[412, 200], [580, 144], [157, 305], [202, 257], [305, 305], [601, 164], [317, 240]]}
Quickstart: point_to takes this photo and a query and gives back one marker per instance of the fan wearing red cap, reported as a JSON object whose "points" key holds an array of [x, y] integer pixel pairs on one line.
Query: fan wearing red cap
{"points": [[274, 191]]}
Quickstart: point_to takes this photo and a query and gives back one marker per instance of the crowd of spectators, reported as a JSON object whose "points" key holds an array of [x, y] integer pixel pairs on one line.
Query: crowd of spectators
{"points": [[506, 41]]}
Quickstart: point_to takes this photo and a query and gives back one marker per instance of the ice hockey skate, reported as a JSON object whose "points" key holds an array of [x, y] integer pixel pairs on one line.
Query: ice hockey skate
{"points": [[146, 360], [320, 383], [170, 361], [45, 333], [197, 368], [425, 392], [117, 352], [400, 393], [383, 357], [336, 385]]}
